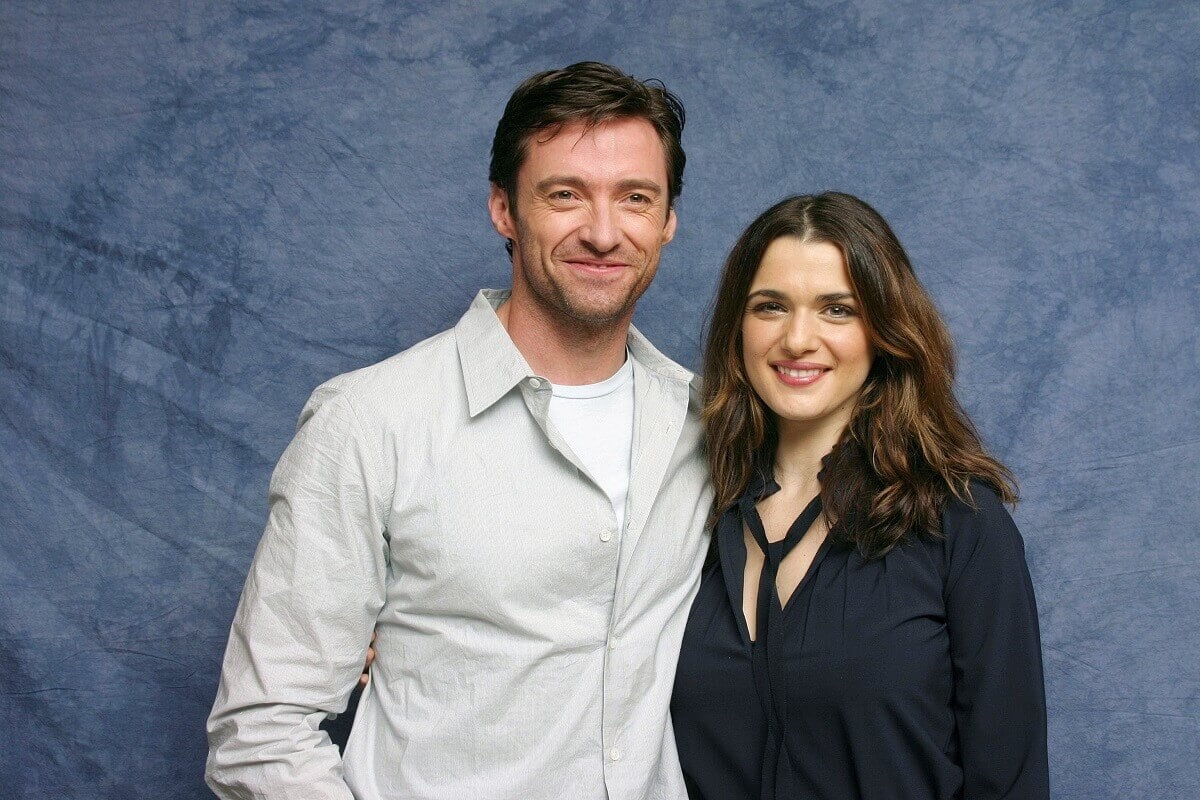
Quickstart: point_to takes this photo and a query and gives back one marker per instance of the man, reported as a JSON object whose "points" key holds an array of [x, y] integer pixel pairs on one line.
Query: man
{"points": [[516, 505]]}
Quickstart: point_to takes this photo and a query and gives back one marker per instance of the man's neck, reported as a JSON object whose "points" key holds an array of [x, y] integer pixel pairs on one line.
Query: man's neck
{"points": [[563, 351]]}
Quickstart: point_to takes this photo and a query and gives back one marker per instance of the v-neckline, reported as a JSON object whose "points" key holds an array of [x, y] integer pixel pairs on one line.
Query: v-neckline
{"points": [[734, 555]]}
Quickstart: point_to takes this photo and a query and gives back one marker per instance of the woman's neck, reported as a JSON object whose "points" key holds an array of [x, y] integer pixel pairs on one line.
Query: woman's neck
{"points": [[799, 452]]}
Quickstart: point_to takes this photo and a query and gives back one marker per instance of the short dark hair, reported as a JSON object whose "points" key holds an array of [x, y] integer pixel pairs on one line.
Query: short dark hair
{"points": [[593, 93]]}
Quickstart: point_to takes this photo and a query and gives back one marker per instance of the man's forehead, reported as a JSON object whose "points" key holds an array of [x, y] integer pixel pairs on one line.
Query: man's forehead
{"points": [[627, 144]]}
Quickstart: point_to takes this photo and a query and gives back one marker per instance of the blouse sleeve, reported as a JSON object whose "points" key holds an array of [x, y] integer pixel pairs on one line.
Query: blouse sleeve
{"points": [[999, 695]]}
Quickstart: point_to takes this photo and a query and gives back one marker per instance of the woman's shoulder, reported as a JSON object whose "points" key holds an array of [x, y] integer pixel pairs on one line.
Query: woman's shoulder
{"points": [[979, 532], [981, 504]]}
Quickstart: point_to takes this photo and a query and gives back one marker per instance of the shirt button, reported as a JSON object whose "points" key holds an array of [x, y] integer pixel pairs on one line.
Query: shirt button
{"points": [[605, 535], [615, 754], [612, 644], [536, 383]]}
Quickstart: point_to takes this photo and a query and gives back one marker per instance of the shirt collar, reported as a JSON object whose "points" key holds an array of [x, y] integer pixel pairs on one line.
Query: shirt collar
{"points": [[492, 365], [648, 356], [761, 484]]}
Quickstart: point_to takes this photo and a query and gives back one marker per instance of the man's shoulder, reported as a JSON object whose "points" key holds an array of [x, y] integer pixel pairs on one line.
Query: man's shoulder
{"points": [[403, 368], [423, 371]]}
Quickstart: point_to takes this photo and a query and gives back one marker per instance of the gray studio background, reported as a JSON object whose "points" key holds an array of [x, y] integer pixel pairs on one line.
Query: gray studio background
{"points": [[208, 208]]}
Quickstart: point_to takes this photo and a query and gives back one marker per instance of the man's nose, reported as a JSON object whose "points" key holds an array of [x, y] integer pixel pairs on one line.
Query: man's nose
{"points": [[600, 231]]}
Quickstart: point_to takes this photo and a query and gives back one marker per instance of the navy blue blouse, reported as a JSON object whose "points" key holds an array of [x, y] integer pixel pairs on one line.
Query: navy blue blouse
{"points": [[915, 676]]}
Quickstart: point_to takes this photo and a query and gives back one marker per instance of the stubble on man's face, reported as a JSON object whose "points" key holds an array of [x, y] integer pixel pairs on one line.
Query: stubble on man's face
{"points": [[592, 217], [573, 301]]}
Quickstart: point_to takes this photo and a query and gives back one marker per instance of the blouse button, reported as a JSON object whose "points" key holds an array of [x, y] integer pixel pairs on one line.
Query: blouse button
{"points": [[605, 535]]}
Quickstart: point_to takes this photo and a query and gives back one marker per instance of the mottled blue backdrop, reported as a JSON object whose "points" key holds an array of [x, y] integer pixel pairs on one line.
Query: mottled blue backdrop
{"points": [[207, 208]]}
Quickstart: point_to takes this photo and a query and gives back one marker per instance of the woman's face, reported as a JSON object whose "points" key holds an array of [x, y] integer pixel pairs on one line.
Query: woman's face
{"points": [[804, 341]]}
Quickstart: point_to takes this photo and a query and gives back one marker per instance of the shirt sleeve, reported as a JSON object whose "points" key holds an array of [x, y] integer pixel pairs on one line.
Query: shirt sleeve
{"points": [[301, 630], [999, 695]]}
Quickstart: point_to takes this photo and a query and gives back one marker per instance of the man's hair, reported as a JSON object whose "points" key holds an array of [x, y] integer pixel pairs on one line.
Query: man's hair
{"points": [[909, 445], [592, 93]]}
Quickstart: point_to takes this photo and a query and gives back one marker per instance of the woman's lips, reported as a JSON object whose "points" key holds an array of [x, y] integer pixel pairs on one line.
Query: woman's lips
{"points": [[799, 374]]}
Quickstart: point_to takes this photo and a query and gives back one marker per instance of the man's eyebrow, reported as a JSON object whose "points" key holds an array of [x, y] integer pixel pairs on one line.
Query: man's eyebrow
{"points": [[575, 182], [560, 180], [648, 186]]}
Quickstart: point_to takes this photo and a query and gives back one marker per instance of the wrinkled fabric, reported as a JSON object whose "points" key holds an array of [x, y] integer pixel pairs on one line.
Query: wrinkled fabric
{"points": [[207, 209], [913, 676], [526, 645]]}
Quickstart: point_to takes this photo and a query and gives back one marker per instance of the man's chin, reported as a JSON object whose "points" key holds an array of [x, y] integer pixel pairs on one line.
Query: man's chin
{"points": [[591, 307], [598, 318], [598, 310]]}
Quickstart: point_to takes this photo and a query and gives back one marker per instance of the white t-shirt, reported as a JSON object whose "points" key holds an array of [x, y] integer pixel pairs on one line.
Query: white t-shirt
{"points": [[596, 420]]}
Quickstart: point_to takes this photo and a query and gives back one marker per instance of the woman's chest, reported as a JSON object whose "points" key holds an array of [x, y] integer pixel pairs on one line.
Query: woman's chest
{"points": [[852, 628]]}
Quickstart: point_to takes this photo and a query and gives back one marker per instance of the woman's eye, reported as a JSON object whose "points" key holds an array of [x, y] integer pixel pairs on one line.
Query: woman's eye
{"points": [[767, 307], [840, 311]]}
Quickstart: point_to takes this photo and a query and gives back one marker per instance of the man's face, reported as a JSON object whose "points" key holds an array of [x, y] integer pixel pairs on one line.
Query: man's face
{"points": [[590, 218]]}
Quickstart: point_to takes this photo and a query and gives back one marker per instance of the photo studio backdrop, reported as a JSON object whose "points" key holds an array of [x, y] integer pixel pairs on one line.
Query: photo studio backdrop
{"points": [[208, 208]]}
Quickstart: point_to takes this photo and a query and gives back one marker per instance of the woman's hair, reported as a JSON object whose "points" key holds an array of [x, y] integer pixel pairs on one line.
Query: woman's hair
{"points": [[909, 445]]}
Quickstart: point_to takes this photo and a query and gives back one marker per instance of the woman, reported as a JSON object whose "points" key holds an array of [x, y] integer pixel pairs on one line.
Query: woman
{"points": [[866, 625]]}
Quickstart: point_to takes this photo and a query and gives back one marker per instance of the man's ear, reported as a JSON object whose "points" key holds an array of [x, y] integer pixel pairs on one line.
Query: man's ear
{"points": [[669, 228], [501, 212]]}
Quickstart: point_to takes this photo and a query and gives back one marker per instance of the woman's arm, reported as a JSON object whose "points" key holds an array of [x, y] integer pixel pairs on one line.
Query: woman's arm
{"points": [[999, 694]]}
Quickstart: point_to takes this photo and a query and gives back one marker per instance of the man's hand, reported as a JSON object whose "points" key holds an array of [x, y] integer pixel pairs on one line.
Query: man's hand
{"points": [[366, 673]]}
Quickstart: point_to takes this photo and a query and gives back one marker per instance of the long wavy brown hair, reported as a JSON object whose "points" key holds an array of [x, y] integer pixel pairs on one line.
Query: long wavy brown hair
{"points": [[909, 445]]}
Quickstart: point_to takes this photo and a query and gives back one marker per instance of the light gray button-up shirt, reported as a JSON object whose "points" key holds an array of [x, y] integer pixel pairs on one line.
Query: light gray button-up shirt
{"points": [[526, 650]]}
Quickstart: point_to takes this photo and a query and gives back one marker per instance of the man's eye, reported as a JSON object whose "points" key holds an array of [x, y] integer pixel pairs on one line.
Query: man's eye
{"points": [[563, 194], [638, 198]]}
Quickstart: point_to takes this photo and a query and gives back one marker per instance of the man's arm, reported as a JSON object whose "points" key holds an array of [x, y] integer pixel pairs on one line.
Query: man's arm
{"points": [[302, 627]]}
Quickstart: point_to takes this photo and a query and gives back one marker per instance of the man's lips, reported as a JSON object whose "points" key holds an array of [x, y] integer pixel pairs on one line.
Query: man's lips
{"points": [[594, 264], [798, 373]]}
